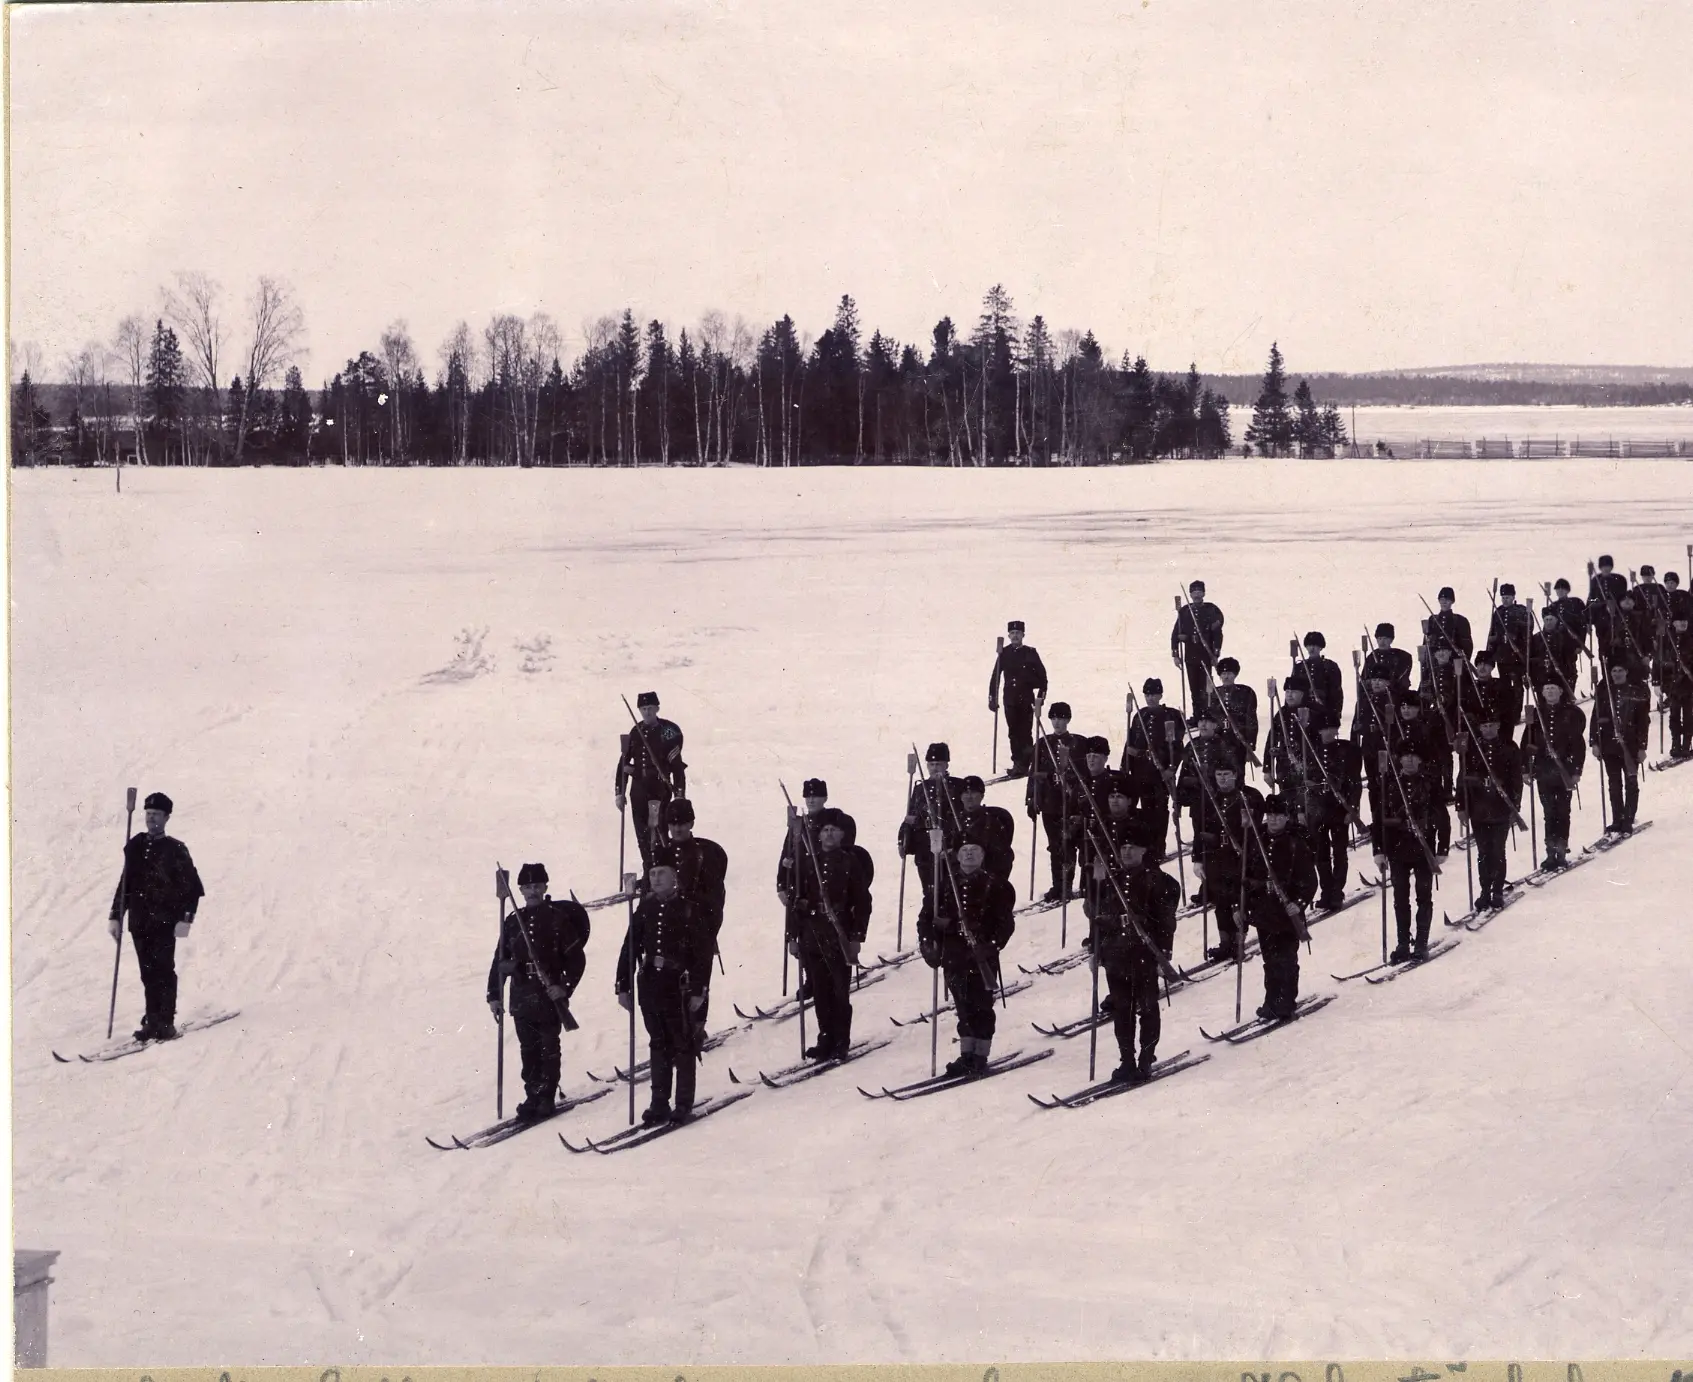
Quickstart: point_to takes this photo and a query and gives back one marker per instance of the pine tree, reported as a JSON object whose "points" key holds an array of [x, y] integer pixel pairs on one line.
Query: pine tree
{"points": [[165, 381], [31, 424], [1211, 438], [1307, 422], [1271, 428], [296, 416]]}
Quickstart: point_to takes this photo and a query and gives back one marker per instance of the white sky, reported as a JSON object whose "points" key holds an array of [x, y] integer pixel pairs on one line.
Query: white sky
{"points": [[1374, 184]]}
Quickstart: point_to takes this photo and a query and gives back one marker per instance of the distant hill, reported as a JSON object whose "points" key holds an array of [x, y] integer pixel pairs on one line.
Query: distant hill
{"points": [[1591, 386]]}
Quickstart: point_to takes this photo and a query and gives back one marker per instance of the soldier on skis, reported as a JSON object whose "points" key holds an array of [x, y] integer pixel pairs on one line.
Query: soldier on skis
{"points": [[160, 889], [702, 867], [1151, 756], [1131, 969], [1555, 651], [1196, 640], [1219, 852], [1326, 681], [1675, 666], [666, 958], [1490, 797], [541, 950], [1619, 732], [1281, 880], [1333, 787], [1605, 589], [649, 769], [1048, 793], [934, 805], [1424, 730], [991, 827], [815, 793], [1555, 745], [965, 923], [1399, 840], [1024, 676], [1508, 641], [1449, 629], [827, 924], [1237, 708]]}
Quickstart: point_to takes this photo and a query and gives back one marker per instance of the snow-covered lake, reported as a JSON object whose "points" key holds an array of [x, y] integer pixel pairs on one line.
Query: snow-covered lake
{"points": [[1567, 424], [363, 688]]}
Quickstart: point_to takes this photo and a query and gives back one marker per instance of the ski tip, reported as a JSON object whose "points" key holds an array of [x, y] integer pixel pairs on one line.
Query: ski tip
{"points": [[63, 1060], [767, 1081], [437, 1145], [570, 1148], [736, 1079]]}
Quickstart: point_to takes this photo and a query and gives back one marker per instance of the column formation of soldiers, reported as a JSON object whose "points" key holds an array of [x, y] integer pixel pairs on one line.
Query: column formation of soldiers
{"points": [[1428, 732]]}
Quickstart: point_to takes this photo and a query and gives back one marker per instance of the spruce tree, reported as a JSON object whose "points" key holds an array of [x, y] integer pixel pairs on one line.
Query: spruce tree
{"points": [[1271, 428]]}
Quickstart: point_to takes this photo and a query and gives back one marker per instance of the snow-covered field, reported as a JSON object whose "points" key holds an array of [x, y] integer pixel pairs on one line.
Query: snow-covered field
{"points": [[364, 688]]}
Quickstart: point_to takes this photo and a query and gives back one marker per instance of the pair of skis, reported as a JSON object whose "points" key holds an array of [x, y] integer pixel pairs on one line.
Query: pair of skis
{"points": [[1013, 1060], [643, 1071], [130, 1047], [789, 1007], [1174, 1065], [1263, 1026], [508, 1128], [1006, 991], [1389, 970], [804, 1070], [641, 1133]]}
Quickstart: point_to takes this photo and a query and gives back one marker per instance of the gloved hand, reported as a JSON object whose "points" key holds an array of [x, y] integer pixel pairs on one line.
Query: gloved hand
{"points": [[852, 949], [1294, 911], [495, 1008], [620, 799], [182, 930], [930, 952], [624, 1001], [993, 703], [557, 992], [114, 927], [793, 946], [1381, 865], [1093, 963], [695, 1003], [783, 898]]}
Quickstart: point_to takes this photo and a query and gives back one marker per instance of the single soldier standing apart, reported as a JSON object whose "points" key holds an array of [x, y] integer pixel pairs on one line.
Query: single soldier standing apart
{"points": [[827, 924], [964, 924], [669, 947], [161, 891], [1196, 640], [1131, 968], [542, 951], [1024, 676], [651, 769]]}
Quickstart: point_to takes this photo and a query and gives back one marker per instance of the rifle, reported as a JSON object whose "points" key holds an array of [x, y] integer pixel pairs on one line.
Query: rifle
{"points": [[795, 828], [993, 695], [123, 905], [1433, 862]]}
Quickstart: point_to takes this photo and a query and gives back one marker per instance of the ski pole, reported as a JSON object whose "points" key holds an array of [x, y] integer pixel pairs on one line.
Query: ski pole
{"points": [[998, 653], [123, 905], [1381, 767], [1533, 823], [1093, 1028], [1176, 812], [910, 781], [501, 892], [622, 813], [560, 1005]]}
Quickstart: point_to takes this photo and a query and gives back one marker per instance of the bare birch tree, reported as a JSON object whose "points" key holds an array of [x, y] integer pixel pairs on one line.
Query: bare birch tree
{"points": [[277, 326], [130, 342]]}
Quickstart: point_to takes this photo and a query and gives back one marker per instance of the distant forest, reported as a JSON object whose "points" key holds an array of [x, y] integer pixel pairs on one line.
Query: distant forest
{"points": [[185, 387]]}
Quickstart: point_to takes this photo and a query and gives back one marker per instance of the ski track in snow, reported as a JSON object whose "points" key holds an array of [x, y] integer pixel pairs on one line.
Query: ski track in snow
{"points": [[1483, 1158]]}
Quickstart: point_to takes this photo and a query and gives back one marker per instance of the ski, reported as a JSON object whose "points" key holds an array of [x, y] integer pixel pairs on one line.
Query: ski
{"points": [[510, 1127], [1174, 1065], [1386, 974], [894, 961], [1542, 876], [1611, 840], [1663, 765], [1013, 1060], [1029, 909], [641, 1134], [789, 1007], [627, 894], [1363, 894], [1062, 965], [1478, 917], [131, 1046], [922, 1017], [644, 1069], [806, 1069], [1258, 1026]]}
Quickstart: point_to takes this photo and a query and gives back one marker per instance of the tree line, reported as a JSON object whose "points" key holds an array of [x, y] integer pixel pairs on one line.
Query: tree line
{"points": [[1008, 392]]}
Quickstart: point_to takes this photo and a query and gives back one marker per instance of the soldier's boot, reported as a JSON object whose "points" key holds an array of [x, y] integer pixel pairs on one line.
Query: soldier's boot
{"points": [[659, 1109]]}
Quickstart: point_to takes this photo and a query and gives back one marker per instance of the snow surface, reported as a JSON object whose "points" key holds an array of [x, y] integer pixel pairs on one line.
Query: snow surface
{"points": [[1486, 1158]]}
